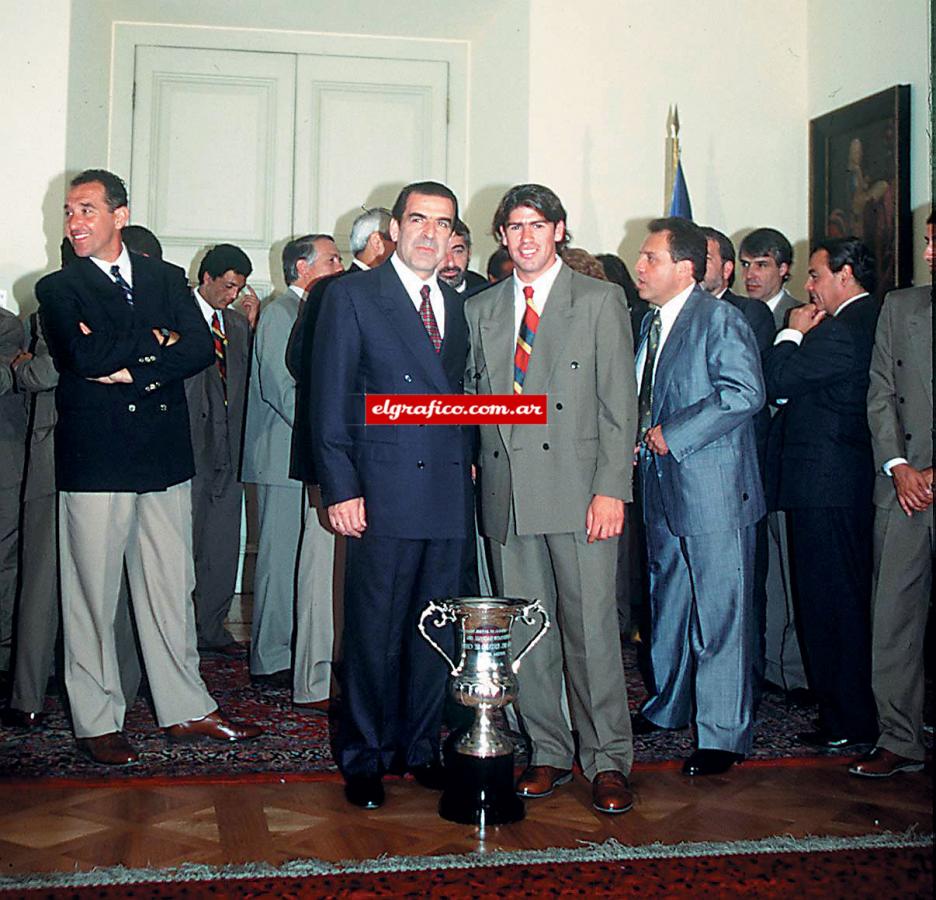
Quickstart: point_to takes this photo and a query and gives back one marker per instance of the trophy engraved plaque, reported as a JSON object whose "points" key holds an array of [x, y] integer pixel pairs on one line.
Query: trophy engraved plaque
{"points": [[480, 778]]}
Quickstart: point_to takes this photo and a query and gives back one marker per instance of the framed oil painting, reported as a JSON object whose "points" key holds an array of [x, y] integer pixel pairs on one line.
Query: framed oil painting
{"points": [[859, 158]]}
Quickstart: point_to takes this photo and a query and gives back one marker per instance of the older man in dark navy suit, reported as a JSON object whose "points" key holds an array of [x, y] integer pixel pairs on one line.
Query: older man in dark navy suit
{"points": [[401, 493]]}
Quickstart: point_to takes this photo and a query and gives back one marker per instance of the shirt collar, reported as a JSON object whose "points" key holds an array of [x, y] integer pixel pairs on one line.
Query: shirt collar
{"points": [[672, 308], [849, 301], [361, 265], [298, 291], [541, 287], [208, 311], [122, 261], [773, 302], [411, 281]]}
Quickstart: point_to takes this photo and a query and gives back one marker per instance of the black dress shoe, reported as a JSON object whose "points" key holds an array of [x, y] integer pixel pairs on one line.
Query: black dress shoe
{"points": [[365, 791], [280, 679], [826, 740], [642, 726], [711, 762], [801, 697], [430, 775], [16, 718]]}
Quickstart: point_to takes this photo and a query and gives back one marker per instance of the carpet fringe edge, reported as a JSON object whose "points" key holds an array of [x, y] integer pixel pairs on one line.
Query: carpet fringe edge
{"points": [[610, 850]]}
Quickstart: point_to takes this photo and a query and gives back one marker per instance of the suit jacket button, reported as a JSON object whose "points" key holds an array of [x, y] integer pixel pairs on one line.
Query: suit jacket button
{"points": [[901, 399], [545, 446], [420, 464], [163, 407], [744, 496], [558, 406], [907, 437], [496, 453], [573, 364], [407, 377], [899, 362], [131, 407]]}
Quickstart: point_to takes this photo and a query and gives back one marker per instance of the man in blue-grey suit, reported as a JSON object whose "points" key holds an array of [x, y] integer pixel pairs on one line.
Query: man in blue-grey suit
{"points": [[401, 494], [701, 385]]}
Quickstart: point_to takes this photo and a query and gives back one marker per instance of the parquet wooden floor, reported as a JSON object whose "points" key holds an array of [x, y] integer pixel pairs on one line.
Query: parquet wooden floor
{"points": [[63, 829]]}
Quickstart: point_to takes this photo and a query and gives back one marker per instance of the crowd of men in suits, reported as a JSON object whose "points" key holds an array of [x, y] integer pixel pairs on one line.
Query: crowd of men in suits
{"points": [[756, 469]]}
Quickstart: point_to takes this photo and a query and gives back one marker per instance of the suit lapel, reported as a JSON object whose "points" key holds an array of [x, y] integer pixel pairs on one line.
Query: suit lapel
{"points": [[499, 338], [110, 297], [671, 351], [551, 335], [455, 343], [919, 325], [404, 320]]}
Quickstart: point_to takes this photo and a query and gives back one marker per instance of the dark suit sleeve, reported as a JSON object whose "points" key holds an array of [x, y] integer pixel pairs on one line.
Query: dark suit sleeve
{"points": [[332, 385], [826, 355]]}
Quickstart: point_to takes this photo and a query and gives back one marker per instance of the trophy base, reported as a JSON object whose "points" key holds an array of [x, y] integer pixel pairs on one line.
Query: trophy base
{"points": [[480, 791]]}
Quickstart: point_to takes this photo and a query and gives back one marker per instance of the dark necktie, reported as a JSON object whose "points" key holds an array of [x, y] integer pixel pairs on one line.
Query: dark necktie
{"points": [[429, 319], [121, 282], [525, 338], [645, 400], [220, 343]]}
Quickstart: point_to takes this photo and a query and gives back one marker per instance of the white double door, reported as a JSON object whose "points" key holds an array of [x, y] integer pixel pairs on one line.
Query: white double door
{"points": [[251, 148]]}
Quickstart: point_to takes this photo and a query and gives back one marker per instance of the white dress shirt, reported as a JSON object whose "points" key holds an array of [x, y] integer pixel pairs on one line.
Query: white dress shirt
{"points": [[668, 313], [122, 261], [208, 311], [541, 288], [413, 284]]}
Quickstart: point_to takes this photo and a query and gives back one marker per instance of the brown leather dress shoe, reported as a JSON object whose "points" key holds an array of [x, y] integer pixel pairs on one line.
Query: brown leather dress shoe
{"points": [[882, 763], [539, 781], [611, 792], [213, 727], [109, 749]]}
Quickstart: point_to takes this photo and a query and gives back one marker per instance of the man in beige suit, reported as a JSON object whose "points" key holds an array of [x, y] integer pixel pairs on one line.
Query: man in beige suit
{"points": [[900, 415], [552, 496]]}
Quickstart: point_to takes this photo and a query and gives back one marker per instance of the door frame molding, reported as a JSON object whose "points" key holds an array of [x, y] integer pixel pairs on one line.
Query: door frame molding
{"points": [[127, 36]]}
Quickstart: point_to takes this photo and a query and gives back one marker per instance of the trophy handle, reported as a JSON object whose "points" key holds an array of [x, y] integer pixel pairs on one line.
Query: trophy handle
{"points": [[446, 615], [526, 615]]}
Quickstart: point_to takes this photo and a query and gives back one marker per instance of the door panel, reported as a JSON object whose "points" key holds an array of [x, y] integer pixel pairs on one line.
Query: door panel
{"points": [[212, 155], [365, 127]]}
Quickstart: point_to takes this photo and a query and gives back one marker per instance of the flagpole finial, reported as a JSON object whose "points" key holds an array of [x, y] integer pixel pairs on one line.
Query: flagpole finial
{"points": [[676, 120]]}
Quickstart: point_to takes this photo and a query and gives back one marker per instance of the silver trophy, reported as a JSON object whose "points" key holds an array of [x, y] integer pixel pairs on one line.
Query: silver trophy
{"points": [[480, 787]]}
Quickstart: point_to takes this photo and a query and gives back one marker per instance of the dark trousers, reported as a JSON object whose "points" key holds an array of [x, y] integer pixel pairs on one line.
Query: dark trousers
{"points": [[392, 681], [830, 563], [759, 619]]}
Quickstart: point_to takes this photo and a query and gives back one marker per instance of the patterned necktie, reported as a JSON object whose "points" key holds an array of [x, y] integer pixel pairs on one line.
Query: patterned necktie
{"points": [[429, 319], [645, 399], [525, 339], [220, 343], [121, 282]]}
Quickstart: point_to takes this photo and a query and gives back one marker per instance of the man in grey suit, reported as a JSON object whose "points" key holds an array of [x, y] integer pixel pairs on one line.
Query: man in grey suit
{"points": [[701, 385], [37, 605], [371, 243], [271, 407], [552, 496], [900, 414], [12, 442], [215, 398], [766, 257]]}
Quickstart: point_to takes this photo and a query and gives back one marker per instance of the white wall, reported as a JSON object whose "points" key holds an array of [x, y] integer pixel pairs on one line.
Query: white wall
{"points": [[602, 76], [495, 29], [855, 51], [34, 50]]}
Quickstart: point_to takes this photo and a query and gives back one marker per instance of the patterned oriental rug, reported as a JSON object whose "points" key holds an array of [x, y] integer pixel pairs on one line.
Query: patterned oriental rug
{"points": [[882, 865], [298, 744]]}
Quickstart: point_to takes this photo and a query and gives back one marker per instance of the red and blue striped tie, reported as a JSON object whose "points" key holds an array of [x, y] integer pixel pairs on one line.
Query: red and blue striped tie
{"points": [[525, 340]]}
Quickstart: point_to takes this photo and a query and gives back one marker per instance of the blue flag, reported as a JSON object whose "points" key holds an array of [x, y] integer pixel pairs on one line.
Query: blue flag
{"points": [[679, 204]]}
